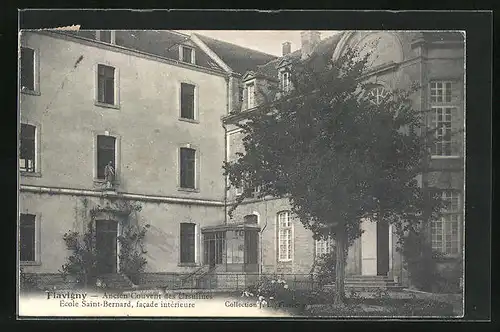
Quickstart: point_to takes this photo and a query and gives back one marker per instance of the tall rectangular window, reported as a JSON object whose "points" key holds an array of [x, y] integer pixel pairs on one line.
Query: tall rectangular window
{"points": [[285, 81], [106, 152], [106, 84], [28, 146], [324, 246], [445, 231], [188, 242], [187, 101], [27, 68], [187, 54], [250, 95], [27, 238], [187, 171], [284, 236], [444, 118]]}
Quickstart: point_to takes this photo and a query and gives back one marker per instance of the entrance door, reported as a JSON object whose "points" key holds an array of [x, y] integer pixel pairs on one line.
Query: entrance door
{"points": [[251, 253], [106, 245], [382, 248], [214, 244]]}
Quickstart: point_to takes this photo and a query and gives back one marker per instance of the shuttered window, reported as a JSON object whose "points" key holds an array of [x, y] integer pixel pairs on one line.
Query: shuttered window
{"points": [[106, 84]]}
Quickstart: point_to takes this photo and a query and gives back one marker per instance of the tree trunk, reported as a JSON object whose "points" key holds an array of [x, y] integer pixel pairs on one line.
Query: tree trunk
{"points": [[340, 266]]}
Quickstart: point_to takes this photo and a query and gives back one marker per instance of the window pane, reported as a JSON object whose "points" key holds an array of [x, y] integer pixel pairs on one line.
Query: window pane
{"points": [[106, 146], [105, 36], [187, 101], [27, 237], [187, 54], [187, 171], [187, 243], [106, 84], [27, 148], [28, 68]]}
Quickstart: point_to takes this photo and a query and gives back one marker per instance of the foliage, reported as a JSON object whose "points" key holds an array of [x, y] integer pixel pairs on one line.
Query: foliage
{"points": [[27, 281], [82, 263], [336, 155], [271, 291], [132, 261], [325, 267]]}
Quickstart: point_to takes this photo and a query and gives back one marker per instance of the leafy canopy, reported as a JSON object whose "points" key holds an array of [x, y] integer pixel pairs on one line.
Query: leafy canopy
{"points": [[335, 153]]}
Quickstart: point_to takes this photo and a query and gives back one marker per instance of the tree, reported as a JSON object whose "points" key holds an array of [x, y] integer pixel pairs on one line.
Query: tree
{"points": [[338, 156]]}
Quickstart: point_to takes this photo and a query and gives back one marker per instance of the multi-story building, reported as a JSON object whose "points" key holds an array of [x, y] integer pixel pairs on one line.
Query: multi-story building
{"points": [[433, 60], [160, 107]]}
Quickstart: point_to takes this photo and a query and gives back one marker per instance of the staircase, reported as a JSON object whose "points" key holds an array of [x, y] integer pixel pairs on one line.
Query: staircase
{"points": [[192, 280], [371, 283], [116, 281]]}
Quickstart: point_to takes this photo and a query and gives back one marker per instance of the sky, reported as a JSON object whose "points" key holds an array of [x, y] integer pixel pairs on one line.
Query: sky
{"points": [[261, 40]]}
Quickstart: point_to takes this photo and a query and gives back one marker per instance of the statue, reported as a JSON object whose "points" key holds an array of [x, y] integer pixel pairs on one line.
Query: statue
{"points": [[109, 174]]}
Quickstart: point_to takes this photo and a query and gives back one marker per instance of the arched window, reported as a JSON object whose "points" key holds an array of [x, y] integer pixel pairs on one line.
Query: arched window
{"points": [[377, 94], [284, 236]]}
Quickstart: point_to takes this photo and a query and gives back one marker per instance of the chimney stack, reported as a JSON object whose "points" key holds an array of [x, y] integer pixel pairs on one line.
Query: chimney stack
{"points": [[309, 39], [287, 48]]}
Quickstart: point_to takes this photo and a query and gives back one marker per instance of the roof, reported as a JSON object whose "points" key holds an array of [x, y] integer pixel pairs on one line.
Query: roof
{"points": [[162, 43], [325, 47], [240, 59]]}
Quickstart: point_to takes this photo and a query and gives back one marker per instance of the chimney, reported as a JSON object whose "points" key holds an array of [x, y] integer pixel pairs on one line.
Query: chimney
{"points": [[309, 39], [287, 48]]}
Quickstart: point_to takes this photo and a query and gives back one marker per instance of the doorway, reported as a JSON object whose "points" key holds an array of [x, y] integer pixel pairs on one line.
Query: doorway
{"points": [[214, 244], [382, 248], [106, 246]]}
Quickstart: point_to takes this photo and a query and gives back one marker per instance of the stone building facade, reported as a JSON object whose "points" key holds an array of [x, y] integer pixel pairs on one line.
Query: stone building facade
{"points": [[162, 108]]}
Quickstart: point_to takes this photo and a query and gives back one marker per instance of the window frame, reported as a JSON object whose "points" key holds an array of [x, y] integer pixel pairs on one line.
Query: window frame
{"points": [[289, 240], [196, 172], [195, 244], [36, 71], [116, 166], [284, 77], [181, 54], [327, 243], [37, 235], [445, 213], [38, 169], [116, 87], [442, 105], [253, 99], [378, 96], [195, 102]]}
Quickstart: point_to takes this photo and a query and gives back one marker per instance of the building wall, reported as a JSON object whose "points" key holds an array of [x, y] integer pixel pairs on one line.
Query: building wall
{"points": [[58, 214], [147, 120]]}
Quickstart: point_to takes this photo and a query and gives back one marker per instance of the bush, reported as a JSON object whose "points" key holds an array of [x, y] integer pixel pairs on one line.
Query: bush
{"points": [[132, 262], [272, 291], [27, 281]]}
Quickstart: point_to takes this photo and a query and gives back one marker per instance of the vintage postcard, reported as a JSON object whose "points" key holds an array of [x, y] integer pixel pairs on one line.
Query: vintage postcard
{"points": [[231, 173]]}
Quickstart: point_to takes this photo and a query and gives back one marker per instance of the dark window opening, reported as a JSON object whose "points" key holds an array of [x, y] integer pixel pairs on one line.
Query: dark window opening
{"points": [[250, 219], [27, 238], [188, 243], [105, 36], [27, 153], [27, 68], [106, 84], [187, 168], [187, 101], [106, 152], [187, 54], [251, 247], [214, 248]]}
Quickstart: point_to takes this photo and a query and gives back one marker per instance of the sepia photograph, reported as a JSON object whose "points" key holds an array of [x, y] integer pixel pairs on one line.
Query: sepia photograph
{"points": [[241, 173]]}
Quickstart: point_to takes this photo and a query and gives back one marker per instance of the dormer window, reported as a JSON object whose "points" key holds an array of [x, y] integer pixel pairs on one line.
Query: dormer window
{"points": [[250, 95], [186, 54], [285, 83]]}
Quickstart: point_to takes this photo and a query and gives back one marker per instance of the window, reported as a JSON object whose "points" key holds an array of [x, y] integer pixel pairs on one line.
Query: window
{"points": [[444, 119], [106, 152], [284, 236], [106, 84], [187, 101], [440, 92], [377, 94], [28, 146], [27, 69], [240, 93], [285, 83], [444, 232], [324, 246], [187, 171], [106, 36], [27, 237], [250, 95], [187, 54], [188, 242]]}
